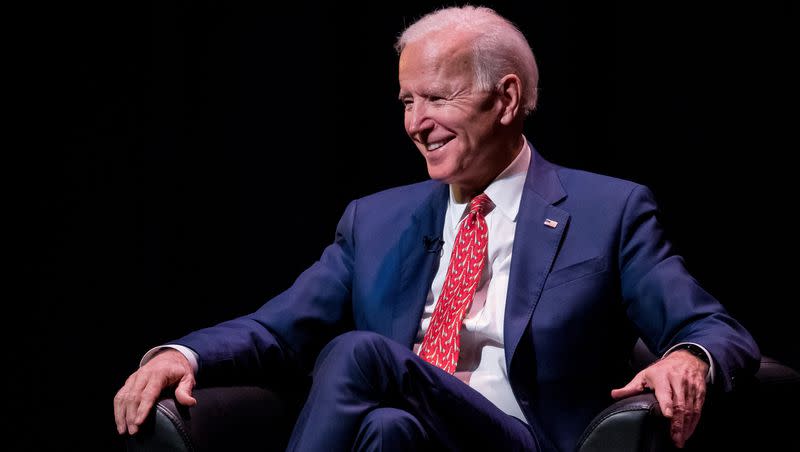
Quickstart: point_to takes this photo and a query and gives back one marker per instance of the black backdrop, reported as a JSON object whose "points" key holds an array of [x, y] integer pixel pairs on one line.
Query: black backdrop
{"points": [[171, 143]]}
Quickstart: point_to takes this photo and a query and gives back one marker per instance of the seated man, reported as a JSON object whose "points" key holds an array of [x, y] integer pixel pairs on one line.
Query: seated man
{"points": [[493, 307]]}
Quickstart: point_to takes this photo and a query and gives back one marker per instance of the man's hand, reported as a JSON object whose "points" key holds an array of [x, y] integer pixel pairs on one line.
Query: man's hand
{"points": [[679, 383], [135, 399]]}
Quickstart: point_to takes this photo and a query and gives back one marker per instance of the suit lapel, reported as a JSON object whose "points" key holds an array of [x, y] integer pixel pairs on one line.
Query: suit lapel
{"points": [[419, 258], [536, 243]]}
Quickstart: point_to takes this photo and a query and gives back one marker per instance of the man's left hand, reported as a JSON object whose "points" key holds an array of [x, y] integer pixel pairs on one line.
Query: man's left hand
{"points": [[679, 383]]}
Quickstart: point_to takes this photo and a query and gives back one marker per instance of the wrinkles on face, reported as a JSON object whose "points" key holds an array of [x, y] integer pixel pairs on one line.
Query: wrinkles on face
{"points": [[451, 122]]}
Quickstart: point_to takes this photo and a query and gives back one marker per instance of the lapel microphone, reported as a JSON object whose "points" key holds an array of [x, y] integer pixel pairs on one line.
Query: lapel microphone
{"points": [[432, 244]]}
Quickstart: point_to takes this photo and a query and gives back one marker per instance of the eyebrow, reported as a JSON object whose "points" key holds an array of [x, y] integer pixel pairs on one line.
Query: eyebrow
{"points": [[437, 90]]}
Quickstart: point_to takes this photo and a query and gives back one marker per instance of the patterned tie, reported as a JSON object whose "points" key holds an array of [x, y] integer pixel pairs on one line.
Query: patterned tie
{"points": [[441, 343]]}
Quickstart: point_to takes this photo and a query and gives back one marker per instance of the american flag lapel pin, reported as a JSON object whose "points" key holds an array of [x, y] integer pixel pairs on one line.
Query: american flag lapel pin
{"points": [[550, 223]]}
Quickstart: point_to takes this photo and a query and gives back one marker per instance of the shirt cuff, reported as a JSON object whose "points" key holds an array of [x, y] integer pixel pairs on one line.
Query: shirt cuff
{"points": [[710, 374], [190, 354]]}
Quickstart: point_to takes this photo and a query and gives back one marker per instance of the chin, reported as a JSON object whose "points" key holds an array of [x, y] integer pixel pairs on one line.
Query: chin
{"points": [[440, 174]]}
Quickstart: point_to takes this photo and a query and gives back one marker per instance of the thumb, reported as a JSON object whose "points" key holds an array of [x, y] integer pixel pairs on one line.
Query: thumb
{"points": [[183, 393], [636, 386]]}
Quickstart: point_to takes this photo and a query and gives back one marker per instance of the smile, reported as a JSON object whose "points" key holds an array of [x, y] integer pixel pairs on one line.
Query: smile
{"points": [[436, 145]]}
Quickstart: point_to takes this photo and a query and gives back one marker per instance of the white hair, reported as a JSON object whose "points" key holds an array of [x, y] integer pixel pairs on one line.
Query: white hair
{"points": [[499, 47]]}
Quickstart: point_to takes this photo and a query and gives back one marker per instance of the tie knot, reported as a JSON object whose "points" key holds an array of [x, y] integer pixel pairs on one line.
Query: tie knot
{"points": [[481, 204]]}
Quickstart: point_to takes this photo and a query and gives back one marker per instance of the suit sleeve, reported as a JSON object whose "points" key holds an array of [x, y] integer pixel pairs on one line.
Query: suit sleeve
{"points": [[667, 304], [287, 332]]}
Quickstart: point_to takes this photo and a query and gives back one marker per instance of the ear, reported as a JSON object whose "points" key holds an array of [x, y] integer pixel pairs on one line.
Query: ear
{"points": [[509, 89]]}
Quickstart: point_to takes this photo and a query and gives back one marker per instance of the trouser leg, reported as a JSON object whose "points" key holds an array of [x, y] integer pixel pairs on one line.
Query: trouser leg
{"points": [[359, 372], [390, 430]]}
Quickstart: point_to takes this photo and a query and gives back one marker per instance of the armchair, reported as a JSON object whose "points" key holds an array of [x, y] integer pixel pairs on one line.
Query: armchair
{"points": [[245, 418]]}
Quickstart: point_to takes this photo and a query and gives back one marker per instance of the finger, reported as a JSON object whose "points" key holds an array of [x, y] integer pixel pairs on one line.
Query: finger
{"points": [[635, 386], [134, 398], [663, 392], [149, 396], [679, 409], [119, 410], [121, 403], [183, 393], [691, 410], [699, 400]]}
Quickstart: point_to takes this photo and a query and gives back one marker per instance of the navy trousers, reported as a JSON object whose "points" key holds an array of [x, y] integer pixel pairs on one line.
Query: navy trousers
{"points": [[370, 393]]}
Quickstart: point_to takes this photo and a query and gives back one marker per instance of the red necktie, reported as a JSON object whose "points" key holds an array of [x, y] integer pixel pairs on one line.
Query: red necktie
{"points": [[441, 343]]}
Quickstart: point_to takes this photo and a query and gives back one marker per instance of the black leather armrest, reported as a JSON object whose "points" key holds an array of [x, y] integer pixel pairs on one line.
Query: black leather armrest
{"points": [[631, 424], [238, 418], [750, 418], [774, 373]]}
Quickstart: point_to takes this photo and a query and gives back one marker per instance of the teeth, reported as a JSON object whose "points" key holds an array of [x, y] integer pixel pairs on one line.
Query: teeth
{"points": [[435, 146]]}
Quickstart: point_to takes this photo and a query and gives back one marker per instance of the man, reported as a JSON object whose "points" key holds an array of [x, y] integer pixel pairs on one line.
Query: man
{"points": [[491, 308]]}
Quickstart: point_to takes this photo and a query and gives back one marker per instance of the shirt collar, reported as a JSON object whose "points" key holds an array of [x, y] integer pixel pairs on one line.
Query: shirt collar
{"points": [[505, 191]]}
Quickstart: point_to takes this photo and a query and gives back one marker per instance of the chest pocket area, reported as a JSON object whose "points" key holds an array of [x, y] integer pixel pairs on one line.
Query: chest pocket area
{"points": [[575, 271]]}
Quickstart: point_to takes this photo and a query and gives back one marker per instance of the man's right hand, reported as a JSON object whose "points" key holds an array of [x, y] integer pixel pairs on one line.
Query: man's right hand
{"points": [[134, 400]]}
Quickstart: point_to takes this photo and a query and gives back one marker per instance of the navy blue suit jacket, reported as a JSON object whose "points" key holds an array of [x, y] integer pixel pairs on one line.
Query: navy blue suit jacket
{"points": [[578, 297]]}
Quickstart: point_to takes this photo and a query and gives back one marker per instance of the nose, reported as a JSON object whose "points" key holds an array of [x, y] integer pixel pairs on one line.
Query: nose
{"points": [[417, 119]]}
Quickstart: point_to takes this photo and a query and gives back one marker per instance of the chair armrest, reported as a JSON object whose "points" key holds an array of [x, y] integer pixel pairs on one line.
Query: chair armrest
{"points": [[752, 417], [775, 373], [630, 424], [225, 418]]}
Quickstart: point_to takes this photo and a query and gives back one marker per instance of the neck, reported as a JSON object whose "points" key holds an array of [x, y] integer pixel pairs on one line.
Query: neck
{"points": [[502, 158]]}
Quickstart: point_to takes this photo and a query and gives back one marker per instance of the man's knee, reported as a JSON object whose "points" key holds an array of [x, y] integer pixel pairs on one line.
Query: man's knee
{"points": [[354, 344], [387, 429]]}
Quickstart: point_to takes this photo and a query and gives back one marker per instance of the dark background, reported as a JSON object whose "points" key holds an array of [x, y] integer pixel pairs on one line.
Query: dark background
{"points": [[184, 161]]}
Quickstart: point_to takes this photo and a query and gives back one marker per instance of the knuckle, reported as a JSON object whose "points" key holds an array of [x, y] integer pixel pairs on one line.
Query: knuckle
{"points": [[131, 397], [151, 392], [130, 417]]}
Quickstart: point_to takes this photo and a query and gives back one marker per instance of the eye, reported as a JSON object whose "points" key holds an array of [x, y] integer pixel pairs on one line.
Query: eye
{"points": [[407, 103]]}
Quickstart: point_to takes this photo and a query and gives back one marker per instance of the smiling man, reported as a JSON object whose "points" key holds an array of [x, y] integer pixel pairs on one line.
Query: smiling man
{"points": [[493, 307], [467, 131]]}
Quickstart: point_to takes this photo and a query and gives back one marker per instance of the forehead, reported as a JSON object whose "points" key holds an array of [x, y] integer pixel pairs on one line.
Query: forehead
{"points": [[439, 58]]}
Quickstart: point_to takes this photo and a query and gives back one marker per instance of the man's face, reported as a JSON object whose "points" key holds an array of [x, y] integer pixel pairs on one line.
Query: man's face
{"points": [[452, 123]]}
